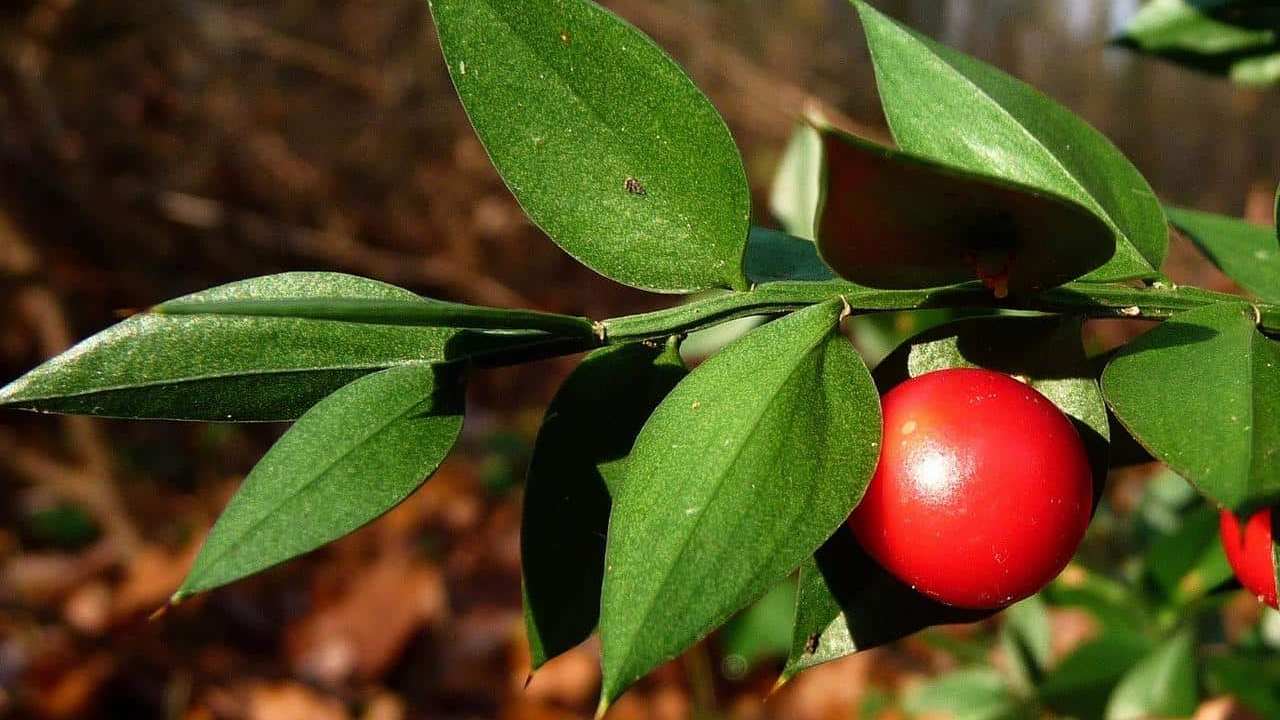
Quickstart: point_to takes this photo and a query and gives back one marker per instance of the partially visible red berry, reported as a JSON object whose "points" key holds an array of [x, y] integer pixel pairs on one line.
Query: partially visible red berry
{"points": [[1249, 552]]}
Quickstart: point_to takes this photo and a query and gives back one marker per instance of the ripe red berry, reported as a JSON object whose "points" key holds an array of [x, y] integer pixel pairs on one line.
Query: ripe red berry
{"points": [[1249, 552], [983, 491]]}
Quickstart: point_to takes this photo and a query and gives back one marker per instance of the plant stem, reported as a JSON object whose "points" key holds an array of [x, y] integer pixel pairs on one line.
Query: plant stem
{"points": [[1095, 300]]}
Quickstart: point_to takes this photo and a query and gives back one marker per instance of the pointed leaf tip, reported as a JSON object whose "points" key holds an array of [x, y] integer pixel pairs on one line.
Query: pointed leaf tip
{"points": [[235, 369], [782, 680], [384, 434], [1245, 252]]}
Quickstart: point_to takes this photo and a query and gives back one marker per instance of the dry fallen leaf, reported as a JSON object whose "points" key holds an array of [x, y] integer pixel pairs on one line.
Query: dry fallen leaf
{"points": [[363, 631], [291, 701]]}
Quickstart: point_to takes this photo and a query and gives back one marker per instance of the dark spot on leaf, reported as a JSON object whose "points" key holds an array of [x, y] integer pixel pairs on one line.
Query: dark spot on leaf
{"points": [[634, 187], [564, 37], [811, 644]]}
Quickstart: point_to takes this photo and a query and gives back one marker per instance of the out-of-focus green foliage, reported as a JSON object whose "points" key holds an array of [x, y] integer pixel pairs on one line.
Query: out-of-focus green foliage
{"points": [[1236, 38]]}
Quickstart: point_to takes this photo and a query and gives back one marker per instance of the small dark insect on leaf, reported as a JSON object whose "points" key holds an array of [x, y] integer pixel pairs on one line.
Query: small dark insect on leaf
{"points": [[811, 644], [634, 186]]}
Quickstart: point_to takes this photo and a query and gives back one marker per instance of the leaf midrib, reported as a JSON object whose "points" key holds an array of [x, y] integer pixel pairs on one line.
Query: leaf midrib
{"points": [[257, 524], [185, 379], [737, 453]]}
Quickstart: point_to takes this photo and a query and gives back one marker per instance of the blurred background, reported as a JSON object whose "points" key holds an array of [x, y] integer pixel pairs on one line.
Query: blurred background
{"points": [[150, 149]]}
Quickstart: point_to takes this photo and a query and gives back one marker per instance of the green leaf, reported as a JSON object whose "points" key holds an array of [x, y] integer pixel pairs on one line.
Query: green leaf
{"points": [[1117, 606], [1027, 640], [1257, 71], [1225, 37], [577, 462], [741, 473], [234, 368], [973, 694], [796, 190], [775, 256], [1254, 680], [761, 632], [602, 138], [1125, 450], [952, 108], [1199, 392], [1164, 25], [1190, 562], [1081, 683], [899, 220], [1247, 253], [349, 459], [848, 603], [1163, 684]]}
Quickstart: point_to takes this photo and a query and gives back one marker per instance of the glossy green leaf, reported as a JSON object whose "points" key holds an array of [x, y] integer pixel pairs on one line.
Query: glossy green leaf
{"points": [[1082, 682], [602, 138], [349, 459], [1161, 685], [898, 220], [1227, 37], [952, 108], [847, 603], [796, 190], [585, 437], [1199, 392], [974, 694], [741, 473], [1247, 253], [1126, 451], [774, 256], [235, 368]]}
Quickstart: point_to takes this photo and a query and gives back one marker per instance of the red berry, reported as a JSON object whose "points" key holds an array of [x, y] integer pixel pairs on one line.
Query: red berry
{"points": [[983, 491], [1249, 552]]}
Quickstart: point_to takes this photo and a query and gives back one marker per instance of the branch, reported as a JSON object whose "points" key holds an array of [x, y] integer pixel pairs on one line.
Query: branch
{"points": [[1095, 300]]}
